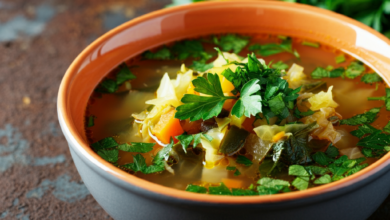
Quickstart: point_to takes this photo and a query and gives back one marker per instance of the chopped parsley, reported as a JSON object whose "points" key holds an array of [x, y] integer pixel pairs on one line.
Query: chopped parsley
{"points": [[274, 48], [232, 42], [161, 54], [109, 155], [323, 179], [280, 65], [365, 118], [249, 104], [383, 98], [201, 66], [124, 74], [111, 85], [340, 59], [311, 44], [91, 121], [320, 73], [104, 144], [196, 189], [243, 160], [222, 189], [136, 147], [355, 69], [370, 78]]}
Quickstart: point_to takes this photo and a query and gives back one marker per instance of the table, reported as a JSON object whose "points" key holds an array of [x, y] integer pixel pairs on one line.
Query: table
{"points": [[38, 41]]}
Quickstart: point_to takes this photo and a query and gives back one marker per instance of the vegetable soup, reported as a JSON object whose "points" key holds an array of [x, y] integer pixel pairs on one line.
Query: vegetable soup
{"points": [[240, 115]]}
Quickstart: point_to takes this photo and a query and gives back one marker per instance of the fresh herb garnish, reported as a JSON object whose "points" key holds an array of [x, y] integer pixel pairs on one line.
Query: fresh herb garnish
{"points": [[124, 74], [311, 44], [274, 48], [249, 104], [189, 48], [231, 42], [243, 160], [370, 78], [196, 189], [201, 66], [161, 54], [320, 73], [280, 65], [105, 143], [365, 118], [323, 179], [91, 121], [355, 69], [383, 98], [136, 147], [340, 59], [219, 190], [109, 155]]}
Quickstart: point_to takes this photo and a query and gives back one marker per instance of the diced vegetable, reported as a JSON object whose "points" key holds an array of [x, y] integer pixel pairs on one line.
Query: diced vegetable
{"points": [[167, 127]]}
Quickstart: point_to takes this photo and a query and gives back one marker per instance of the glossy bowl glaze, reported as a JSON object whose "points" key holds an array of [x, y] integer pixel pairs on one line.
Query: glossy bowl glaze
{"points": [[125, 196]]}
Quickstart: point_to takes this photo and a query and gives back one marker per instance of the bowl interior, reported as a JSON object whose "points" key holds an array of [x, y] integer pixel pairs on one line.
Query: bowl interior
{"points": [[157, 28]]}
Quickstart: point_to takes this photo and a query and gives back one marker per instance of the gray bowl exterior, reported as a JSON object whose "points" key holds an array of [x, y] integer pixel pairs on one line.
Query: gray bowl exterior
{"points": [[124, 201]]}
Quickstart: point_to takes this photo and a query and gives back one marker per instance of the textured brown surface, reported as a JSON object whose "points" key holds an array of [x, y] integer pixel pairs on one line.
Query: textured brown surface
{"points": [[37, 177]]}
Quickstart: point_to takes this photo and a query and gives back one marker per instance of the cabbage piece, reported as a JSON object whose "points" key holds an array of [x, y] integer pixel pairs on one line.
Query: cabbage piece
{"points": [[322, 100], [214, 175], [182, 82], [220, 61], [222, 122], [352, 153], [212, 155], [295, 76], [152, 119], [326, 130], [302, 101], [257, 147], [166, 93]]}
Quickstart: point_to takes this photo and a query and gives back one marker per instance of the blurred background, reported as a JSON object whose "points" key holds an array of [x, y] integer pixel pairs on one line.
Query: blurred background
{"points": [[38, 41]]}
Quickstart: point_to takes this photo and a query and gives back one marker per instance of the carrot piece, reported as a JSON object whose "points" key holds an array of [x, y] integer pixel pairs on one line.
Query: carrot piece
{"points": [[278, 136], [168, 126], [232, 183]]}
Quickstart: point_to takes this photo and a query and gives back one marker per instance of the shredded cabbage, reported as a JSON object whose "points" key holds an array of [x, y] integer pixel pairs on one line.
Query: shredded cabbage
{"points": [[212, 155], [322, 100]]}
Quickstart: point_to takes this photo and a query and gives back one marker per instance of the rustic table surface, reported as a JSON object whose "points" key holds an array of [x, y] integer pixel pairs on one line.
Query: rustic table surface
{"points": [[38, 41]]}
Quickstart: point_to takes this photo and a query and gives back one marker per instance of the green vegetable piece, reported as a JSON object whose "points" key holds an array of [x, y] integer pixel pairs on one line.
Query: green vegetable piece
{"points": [[196, 189], [105, 143], [297, 170], [249, 104], [311, 44], [356, 169], [307, 113], [301, 182], [332, 151], [201, 66], [189, 48], [243, 160], [367, 152], [376, 140], [365, 118], [323, 179], [138, 165], [203, 107], [355, 69], [370, 78], [340, 59], [243, 192], [237, 173], [277, 104], [161, 54], [336, 72], [91, 121], [321, 158], [124, 74], [232, 42], [316, 170], [233, 141], [280, 65], [196, 139], [136, 147], [109, 155], [269, 182], [220, 190], [208, 137]]}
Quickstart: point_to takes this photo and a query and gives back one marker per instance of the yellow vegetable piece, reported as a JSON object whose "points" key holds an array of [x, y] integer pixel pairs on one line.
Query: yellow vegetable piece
{"points": [[278, 136], [322, 100]]}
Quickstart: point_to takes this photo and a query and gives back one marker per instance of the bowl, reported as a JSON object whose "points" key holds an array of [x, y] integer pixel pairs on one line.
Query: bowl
{"points": [[125, 196]]}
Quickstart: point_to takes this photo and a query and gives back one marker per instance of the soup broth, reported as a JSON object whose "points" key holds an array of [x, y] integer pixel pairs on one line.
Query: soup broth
{"points": [[263, 149]]}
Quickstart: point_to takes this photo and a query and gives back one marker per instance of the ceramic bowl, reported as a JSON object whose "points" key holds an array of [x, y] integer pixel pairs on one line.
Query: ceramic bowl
{"points": [[125, 196]]}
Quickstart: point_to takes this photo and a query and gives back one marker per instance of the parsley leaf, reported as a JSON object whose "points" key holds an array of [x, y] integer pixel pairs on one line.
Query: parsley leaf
{"points": [[243, 160], [301, 182], [297, 170], [107, 86], [273, 48], [323, 179], [196, 189], [320, 73], [189, 48], [376, 140], [162, 54], [321, 158], [105, 143], [203, 107], [332, 151], [280, 65], [270, 186], [363, 130], [340, 59], [201, 66], [136, 147], [124, 74], [219, 190], [109, 155], [185, 140], [355, 69], [91, 121], [237, 173], [243, 192], [387, 127], [365, 118], [370, 78], [230, 168], [248, 104], [232, 42], [383, 98]]}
